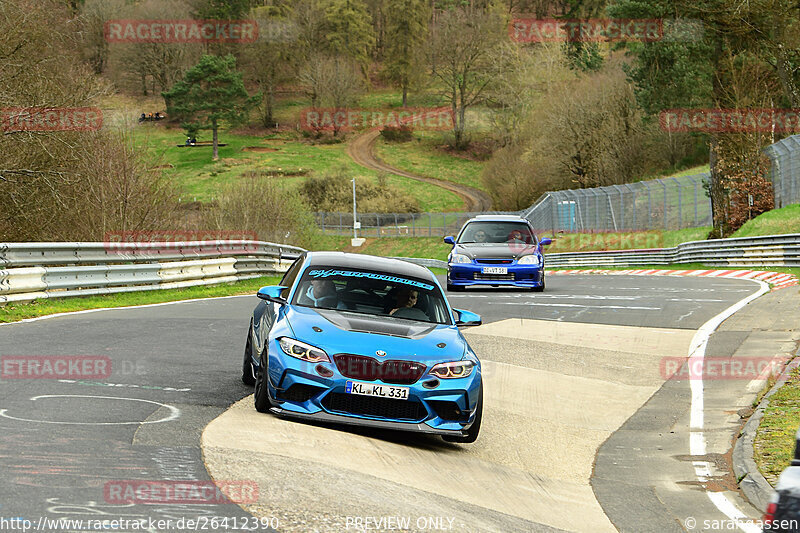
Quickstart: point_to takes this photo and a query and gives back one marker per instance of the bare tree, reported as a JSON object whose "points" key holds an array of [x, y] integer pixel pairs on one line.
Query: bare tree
{"points": [[333, 82], [462, 47]]}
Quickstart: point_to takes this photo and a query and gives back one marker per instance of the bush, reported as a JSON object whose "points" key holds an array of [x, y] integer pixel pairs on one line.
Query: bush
{"points": [[403, 133], [258, 204], [334, 192]]}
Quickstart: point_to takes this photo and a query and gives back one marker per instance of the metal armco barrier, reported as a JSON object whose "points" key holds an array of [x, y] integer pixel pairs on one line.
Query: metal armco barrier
{"points": [[772, 250], [46, 270], [30, 271]]}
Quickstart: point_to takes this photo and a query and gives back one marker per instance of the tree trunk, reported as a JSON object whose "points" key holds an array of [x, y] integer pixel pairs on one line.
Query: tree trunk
{"points": [[214, 127], [405, 95]]}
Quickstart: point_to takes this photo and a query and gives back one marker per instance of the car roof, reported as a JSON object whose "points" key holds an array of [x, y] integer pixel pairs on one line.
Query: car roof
{"points": [[497, 218], [369, 262]]}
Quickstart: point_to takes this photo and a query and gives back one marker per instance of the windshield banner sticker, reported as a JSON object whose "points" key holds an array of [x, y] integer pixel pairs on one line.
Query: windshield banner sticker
{"points": [[371, 275]]}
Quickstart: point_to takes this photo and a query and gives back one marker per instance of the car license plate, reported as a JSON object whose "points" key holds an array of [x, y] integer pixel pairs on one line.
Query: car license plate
{"points": [[495, 270], [383, 391]]}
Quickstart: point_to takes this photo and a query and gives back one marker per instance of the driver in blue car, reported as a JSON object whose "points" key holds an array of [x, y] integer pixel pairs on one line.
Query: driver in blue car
{"points": [[406, 302], [322, 292]]}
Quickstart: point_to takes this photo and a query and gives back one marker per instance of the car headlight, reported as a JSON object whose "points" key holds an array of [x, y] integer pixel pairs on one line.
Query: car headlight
{"points": [[459, 258], [303, 351], [534, 259], [453, 370]]}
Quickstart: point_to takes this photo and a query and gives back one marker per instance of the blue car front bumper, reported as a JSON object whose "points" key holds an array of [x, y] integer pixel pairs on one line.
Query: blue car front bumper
{"points": [[301, 391], [466, 274]]}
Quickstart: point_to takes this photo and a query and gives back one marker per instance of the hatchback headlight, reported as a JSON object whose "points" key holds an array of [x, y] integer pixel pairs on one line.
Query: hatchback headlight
{"points": [[459, 258], [453, 370], [303, 351], [534, 259]]}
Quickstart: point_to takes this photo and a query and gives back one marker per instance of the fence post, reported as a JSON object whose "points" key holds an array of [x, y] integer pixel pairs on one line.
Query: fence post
{"points": [[430, 225]]}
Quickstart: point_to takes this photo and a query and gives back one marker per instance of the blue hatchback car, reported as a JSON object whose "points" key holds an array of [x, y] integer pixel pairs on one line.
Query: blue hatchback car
{"points": [[496, 250], [364, 340]]}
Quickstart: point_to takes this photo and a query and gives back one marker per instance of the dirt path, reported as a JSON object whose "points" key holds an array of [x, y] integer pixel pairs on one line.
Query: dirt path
{"points": [[361, 149]]}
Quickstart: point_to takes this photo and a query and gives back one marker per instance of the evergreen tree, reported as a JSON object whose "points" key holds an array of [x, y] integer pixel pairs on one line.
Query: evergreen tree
{"points": [[211, 92], [407, 34]]}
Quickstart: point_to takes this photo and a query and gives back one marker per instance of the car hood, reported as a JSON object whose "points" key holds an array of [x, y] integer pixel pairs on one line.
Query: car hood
{"points": [[494, 250], [344, 332]]}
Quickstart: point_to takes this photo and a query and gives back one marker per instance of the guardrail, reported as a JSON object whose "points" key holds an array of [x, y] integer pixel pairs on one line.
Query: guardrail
{"points": [[30, 271], [771, 250]]}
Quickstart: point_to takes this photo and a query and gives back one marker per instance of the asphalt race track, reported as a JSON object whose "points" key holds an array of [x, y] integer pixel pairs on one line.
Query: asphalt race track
{"points": [[565, 369]]}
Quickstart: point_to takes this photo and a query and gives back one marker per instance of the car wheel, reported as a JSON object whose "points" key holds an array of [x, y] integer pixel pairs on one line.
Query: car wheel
{"points": [[454, 288], [539, 289], [247, 364], [261, 396], [475, 428]]}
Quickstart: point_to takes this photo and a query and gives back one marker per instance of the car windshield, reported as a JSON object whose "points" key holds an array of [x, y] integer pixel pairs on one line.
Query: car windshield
{"points": [[496, 232], [371, 293]]}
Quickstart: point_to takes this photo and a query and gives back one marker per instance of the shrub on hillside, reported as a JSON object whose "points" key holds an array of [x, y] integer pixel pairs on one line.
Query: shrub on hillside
{"points": [[334, 192], [256, 203], [401, 134]]}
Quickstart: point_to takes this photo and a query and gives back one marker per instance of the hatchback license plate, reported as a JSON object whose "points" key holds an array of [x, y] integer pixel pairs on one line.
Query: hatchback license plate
{"points": [[495, 270], [382, 391]]}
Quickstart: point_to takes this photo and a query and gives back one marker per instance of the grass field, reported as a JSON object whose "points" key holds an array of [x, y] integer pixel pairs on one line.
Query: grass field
{"points": [[775, 439], [15, 312], [424, 155], [775, 222], [200, 179]]}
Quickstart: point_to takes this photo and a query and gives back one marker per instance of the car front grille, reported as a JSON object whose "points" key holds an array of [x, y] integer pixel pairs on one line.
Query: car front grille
{"points": [[480, 276], [494, 261], [357, 404], [396, 372]]}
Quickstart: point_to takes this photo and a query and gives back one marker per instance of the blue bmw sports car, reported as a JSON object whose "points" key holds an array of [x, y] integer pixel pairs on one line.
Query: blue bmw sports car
{"points": [[364, 340]]}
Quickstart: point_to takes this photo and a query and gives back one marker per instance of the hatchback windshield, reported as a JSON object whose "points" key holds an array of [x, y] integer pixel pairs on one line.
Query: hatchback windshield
{"points": [[496, 232], [371, 293]]}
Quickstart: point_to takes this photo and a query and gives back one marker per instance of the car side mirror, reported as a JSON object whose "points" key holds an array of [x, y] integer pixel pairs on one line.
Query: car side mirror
{"points": [[467, 318], [545, 242], [450, 240], [272, 293]]}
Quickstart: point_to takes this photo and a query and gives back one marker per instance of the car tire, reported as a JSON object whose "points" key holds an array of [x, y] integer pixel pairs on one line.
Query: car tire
{"points": [[261, 395], [474, 429], [454, 288], [539, 289], [247, 364]]}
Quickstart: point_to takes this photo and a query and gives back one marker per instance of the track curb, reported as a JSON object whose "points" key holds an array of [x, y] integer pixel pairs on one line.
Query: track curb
{"points": [[753, 484]]}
